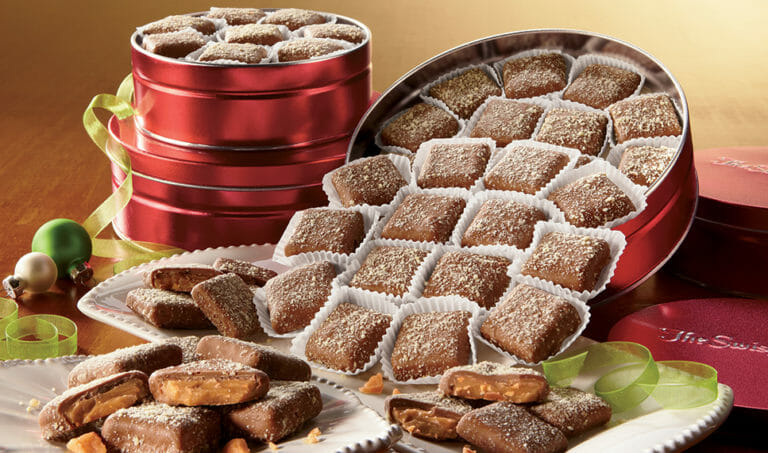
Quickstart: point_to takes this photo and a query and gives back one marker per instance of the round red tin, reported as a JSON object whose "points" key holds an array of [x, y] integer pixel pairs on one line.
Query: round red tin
{"points": [[728, 334], [728, 243]]}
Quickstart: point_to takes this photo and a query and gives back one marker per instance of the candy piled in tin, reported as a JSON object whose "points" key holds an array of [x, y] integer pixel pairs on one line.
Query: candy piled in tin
{"points": [[250, 36]]}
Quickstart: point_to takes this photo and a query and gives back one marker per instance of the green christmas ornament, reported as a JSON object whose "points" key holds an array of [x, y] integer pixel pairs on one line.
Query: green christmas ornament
{"points": [[67, 242]]}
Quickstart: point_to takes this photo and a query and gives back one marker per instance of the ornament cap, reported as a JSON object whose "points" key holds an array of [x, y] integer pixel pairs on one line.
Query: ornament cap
{"points": [[13, 286], [80, 273]]}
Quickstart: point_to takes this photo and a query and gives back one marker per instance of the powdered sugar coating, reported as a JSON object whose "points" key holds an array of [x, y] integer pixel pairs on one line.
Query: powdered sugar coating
{"points": [[228, 302], [505, 120], [146, 358], [237, 16], [188, 347], [454, 165], [324, 229], [643, 165], [389, 269], [424, 217], [177, 23], [534, 76], [430, 343], [601, 85], [525, 169], [249, 272], [373, 181], [572, 261], [592, 201], [503, 222], [432, 398], [175, 44], [263, 34], [295, 296], [530, 323], [487, 368], [418, 124], [167, 309], [294, 18], [577, 129], [651, 115], [306, 48], [242, 52], [573, 411], [479, 278], [466, 92], [344, 32]]}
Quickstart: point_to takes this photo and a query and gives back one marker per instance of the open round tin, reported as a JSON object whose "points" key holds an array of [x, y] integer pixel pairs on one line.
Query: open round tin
{"points": [[654, 234]]}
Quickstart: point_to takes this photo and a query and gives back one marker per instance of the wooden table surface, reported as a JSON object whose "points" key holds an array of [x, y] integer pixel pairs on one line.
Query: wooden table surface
{"points": [[57, 55]]}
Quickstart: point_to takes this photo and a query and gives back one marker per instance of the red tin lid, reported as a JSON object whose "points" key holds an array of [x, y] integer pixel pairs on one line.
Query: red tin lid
{"points": [[728, 334], [733, 186]]}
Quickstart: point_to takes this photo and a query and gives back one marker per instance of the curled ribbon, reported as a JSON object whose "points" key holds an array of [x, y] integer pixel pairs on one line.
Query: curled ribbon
{"points": [[629, 375], [130, 253], [34, 336]]}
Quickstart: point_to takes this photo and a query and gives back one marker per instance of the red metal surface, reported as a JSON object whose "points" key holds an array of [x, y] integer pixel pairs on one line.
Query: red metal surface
{"points": [[265, 105]]}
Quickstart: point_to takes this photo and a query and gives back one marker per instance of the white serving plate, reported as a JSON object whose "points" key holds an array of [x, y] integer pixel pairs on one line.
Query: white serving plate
{"points": [[650, 429], [347, 425]]}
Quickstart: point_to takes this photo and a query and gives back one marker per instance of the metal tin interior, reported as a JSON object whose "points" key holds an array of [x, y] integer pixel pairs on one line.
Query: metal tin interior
{"points": [[652, 236]]}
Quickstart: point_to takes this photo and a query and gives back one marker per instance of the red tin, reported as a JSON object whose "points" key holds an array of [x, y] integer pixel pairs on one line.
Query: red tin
{"points": [[268, 105], [728, 243], [652, 236]]}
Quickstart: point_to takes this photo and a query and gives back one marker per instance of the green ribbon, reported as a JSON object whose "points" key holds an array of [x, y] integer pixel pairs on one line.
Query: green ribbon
{"points": [[34, 336], [628, 375], [130, 253]]}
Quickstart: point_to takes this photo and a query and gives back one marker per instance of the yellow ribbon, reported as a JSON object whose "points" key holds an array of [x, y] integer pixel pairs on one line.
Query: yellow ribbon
{"points": [[130, 253], [628, 375], [34, 336]]}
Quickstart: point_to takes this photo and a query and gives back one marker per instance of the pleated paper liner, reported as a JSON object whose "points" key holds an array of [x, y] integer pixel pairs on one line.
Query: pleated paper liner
{"points": [[499, 67], [617, 152]]}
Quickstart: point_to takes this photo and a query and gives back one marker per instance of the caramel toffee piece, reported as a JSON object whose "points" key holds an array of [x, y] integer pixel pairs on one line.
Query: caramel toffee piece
{"points": [[530, 323], [178, 23], [188, 347], [389, 269], [504, 427], [294, 18], [572, 411], [159, 428], [430, 415], [167, 309], [306, 48], [373, 181], [505, 120], [263, 34], [250, 273], [479, 278], [283, 410], [228, 302], [494, 382], [277, 365], [570, 260], [244, 53], [344, 32], [418, 124], [534, 76], [592, 201], [324, 229], [237, 16], [577, 129], [214, 382], [503, 222], [525, 169], [145, 358], [600, 85], [348, 338], [643, 165], [72, 413], [295, 296], [430, 343], [651, 115], [424, 217], [175, 44], [179, 278], [466, 92], [454, 165]]}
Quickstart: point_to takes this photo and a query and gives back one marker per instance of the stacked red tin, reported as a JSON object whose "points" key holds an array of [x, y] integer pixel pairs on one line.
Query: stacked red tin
{"points": [[225, 154]]}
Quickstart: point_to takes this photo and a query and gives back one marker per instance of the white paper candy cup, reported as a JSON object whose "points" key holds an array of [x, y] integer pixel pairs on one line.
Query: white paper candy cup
{"points": [[547, 207], [563, 104], [635, 192], [573, 155], [437, 304], [426, 147], [416, 285], [274, 50], [540, 101], [499, 67], [614, 157], [616, 243], [405, 151], [424, 93], [370, 218], [579, 305], [403, 165], [376, 303]]}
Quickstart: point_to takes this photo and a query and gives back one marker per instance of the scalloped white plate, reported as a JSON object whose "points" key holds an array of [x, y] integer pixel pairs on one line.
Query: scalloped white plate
{"points": [[344, 420]]}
